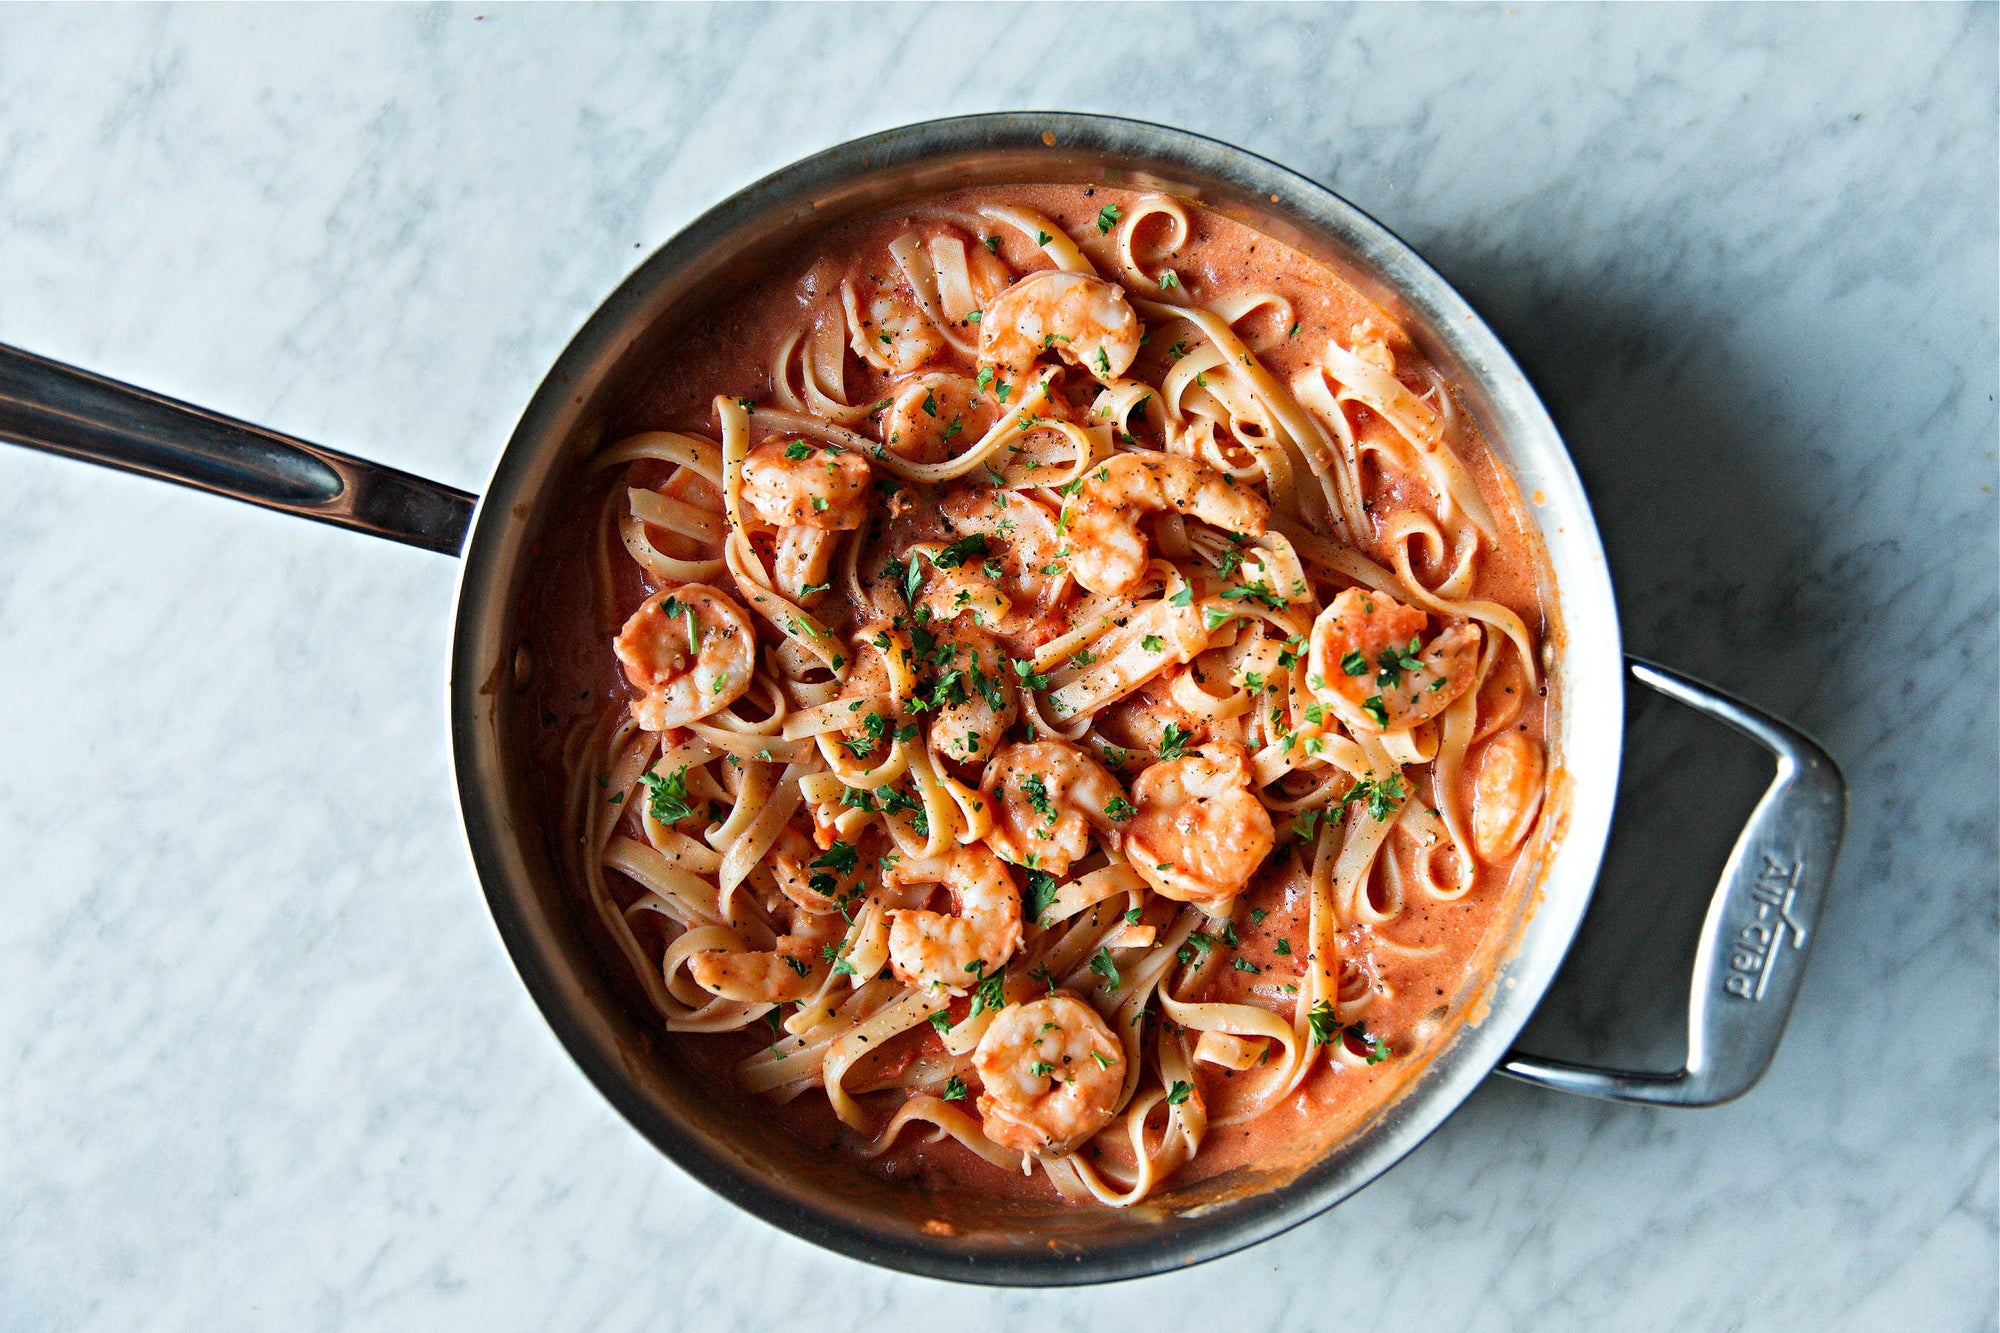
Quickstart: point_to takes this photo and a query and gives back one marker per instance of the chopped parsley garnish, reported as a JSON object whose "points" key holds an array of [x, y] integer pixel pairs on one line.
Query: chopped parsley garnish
{"points": [[1378, 1050], [1197, 943], [1102, 965], [1107, 218], [1040, 896], [1120, 809], [672, 607], [941, 1020], [1354, 664], [1380, 797], [819, 504], [1173, 740], [988, 993], [958, 552], [1320, 1020], [798, 450], [1245, 965], [1042, 238], [1284, 949], [1395, 661], [1103, 362], [1185, 597], [954, 1089], [993, 245], [1041, 1068], [1103, 1060], [1169, 280], [798, 965], [1152, 643], [985, 380], [841, 858], [1037, 792], [1376, 709], [667, 795], [1178, 1093], [1256, 592]]}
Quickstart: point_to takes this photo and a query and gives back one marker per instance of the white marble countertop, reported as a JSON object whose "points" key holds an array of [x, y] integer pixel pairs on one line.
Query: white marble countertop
{"points": [[262, 1059]]}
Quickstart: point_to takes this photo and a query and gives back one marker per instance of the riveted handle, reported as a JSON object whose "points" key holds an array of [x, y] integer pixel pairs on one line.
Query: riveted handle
{"points": [[50, 406], [1760, 925]]}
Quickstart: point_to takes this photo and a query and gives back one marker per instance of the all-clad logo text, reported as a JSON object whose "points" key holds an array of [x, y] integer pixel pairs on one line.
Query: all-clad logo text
{"points": [[1756, 944]]}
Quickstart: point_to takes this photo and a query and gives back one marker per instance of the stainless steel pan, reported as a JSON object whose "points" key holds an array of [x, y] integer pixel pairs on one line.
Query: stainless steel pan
{"points": [[1760, 922]]}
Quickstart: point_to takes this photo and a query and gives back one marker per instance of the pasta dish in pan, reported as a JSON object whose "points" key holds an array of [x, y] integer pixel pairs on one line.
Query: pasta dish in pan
{"points": [[1048, 691]]}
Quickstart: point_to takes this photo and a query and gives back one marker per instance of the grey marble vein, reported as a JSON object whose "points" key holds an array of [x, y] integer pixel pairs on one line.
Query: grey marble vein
{"points": [[262, 1060]]}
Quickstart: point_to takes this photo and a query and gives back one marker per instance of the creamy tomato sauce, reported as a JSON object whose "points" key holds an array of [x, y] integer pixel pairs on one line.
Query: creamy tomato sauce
{"points": [[1410, 949]]}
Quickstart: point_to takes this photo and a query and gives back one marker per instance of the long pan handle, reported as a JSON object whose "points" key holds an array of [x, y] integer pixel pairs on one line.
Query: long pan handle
{"points": [[47, 405]]}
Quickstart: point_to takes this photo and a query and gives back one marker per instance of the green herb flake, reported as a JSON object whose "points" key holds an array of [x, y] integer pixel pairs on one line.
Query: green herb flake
{"points": [[667, 795]]}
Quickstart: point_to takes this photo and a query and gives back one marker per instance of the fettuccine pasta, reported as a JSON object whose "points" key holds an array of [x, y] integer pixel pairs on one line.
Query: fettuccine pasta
{"points": [[1047, 685]]}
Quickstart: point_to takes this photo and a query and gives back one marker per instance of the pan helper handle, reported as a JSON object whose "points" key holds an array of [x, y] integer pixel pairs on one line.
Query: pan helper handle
{"points": [[1761, 922]]}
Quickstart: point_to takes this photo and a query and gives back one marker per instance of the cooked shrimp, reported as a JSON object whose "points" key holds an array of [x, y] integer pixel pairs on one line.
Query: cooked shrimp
{"points": [[1369, 663], [935, 416], [1506, 795], [975, 696], [932, 949], [1200, 832], [1051, 795], [1110, 551], [689, 652], [805, 484], [1021, 544], [791, 971], [893, 334], [1053, 1072], [1083, 319]]}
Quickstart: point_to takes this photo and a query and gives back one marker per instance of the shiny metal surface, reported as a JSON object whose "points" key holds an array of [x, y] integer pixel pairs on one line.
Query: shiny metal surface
{"points": [[1761, 921], [842, 1209], [57, 408]]}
